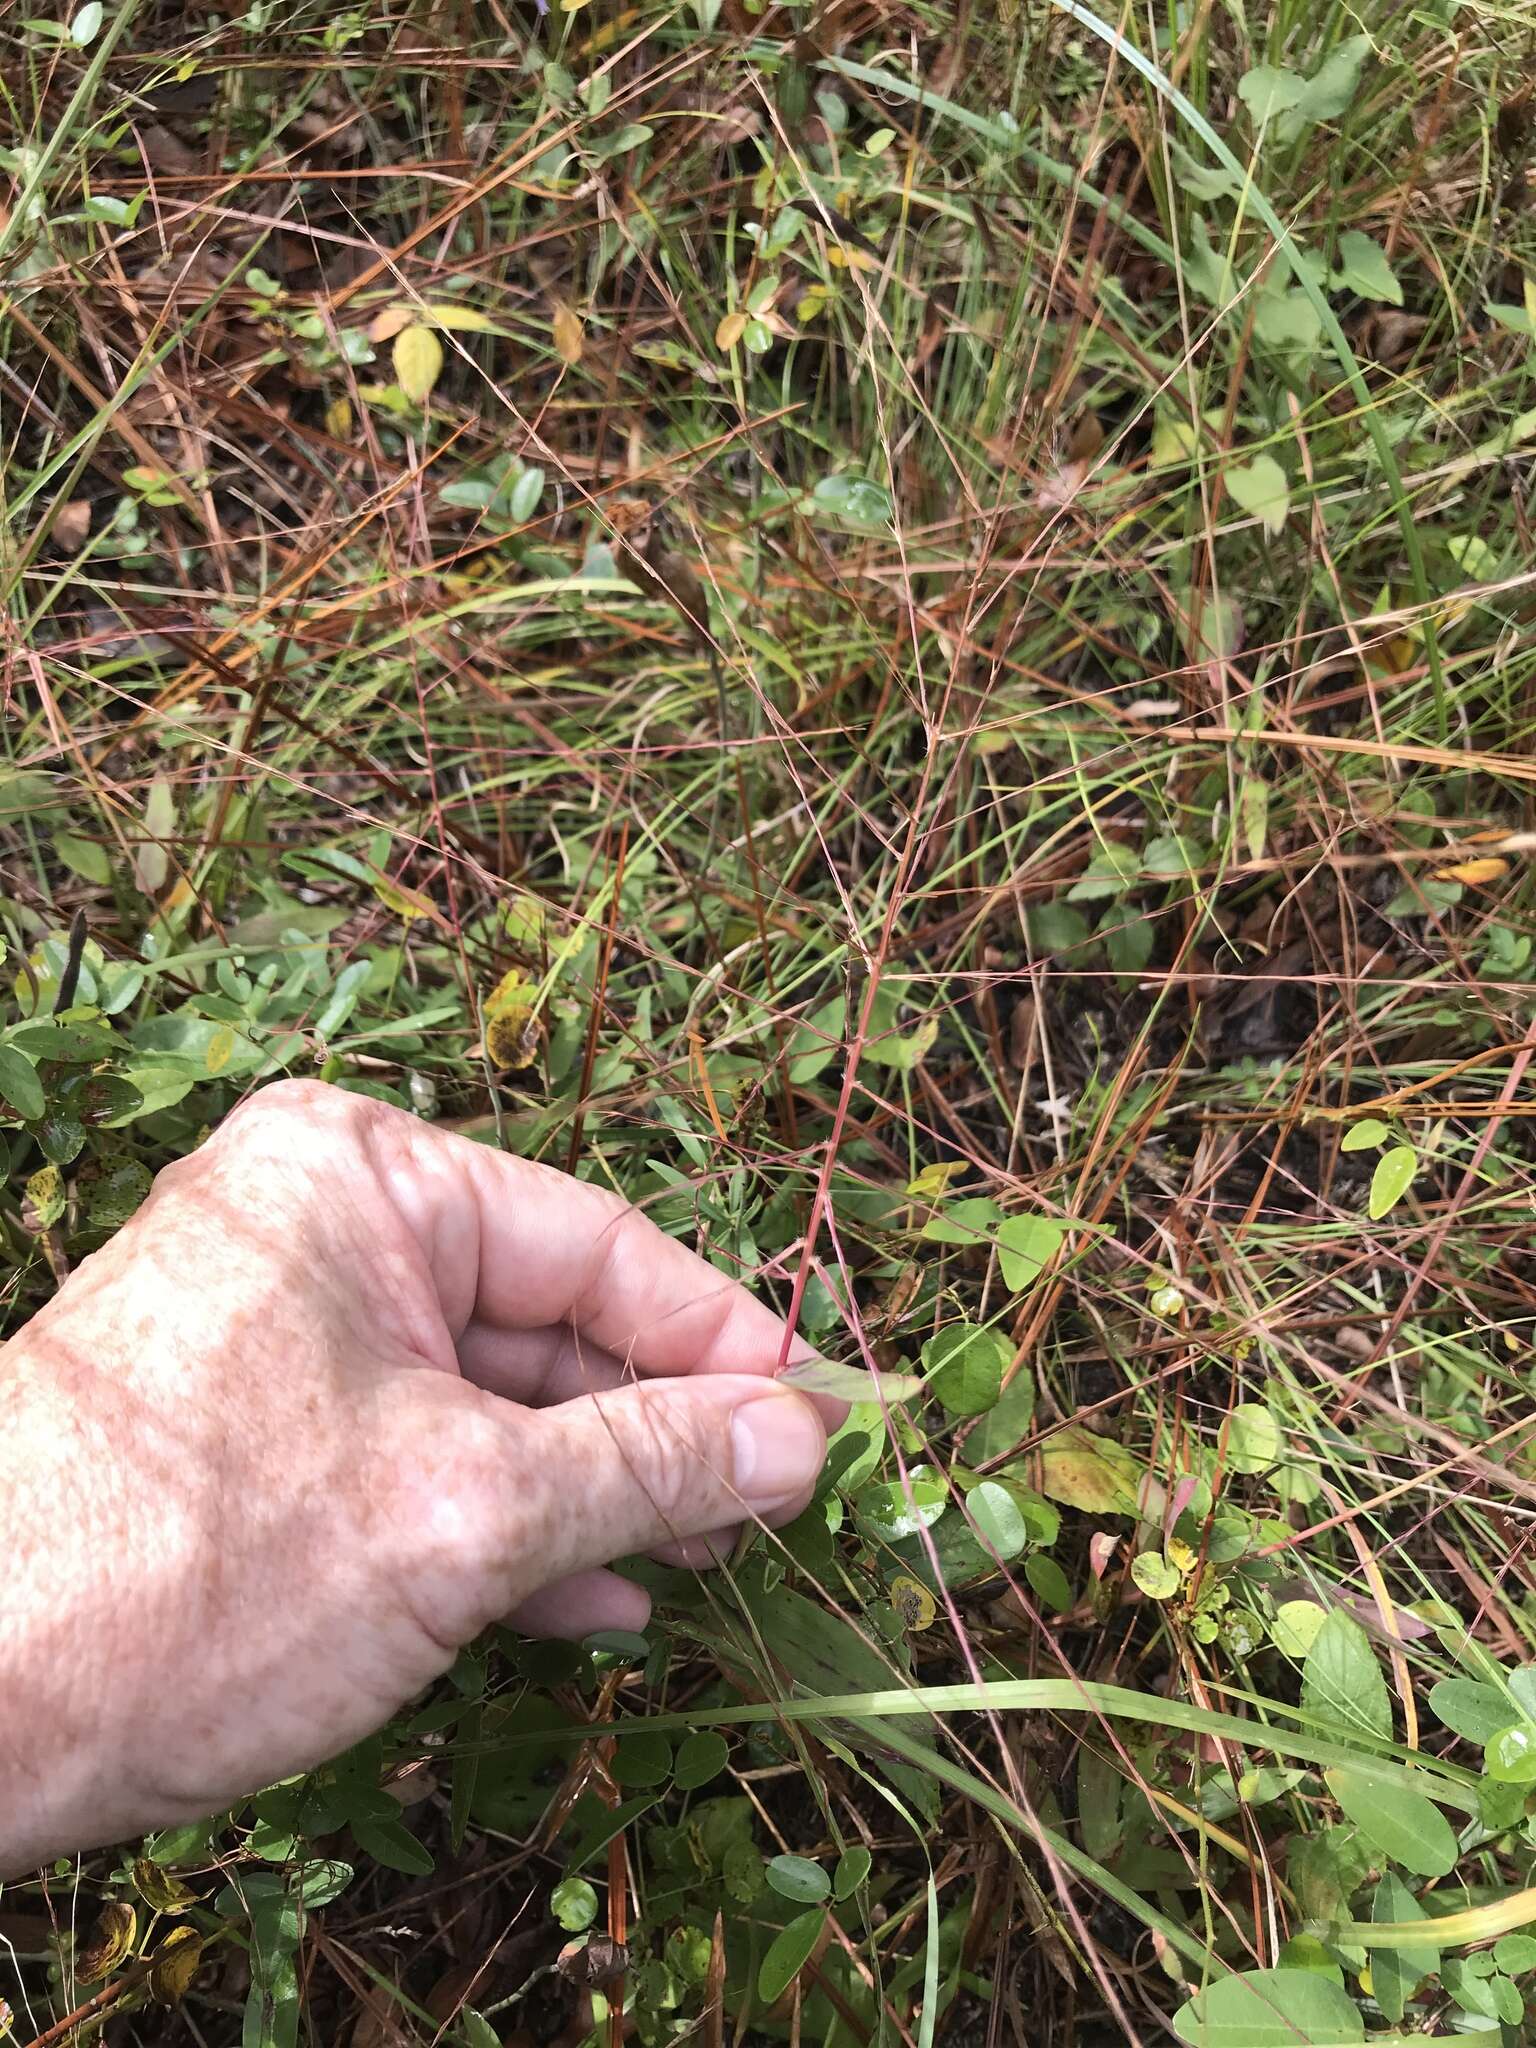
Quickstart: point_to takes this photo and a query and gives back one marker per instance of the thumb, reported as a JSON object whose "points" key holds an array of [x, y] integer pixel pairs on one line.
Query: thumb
{"points": [[662, 1459]]}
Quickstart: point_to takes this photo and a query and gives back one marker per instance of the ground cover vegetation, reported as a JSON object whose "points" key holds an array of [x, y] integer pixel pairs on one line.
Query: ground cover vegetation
{"points": [[902, 631]]}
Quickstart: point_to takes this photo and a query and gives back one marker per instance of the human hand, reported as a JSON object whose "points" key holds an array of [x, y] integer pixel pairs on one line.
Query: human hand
{"points": [[346, 1390]]}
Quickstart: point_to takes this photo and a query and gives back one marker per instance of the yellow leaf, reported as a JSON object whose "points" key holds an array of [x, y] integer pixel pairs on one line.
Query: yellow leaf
{"points": [[511, 1024], [175, 1965], [1485, 870], [418, 360], [1529, 295], [338, 419], [565, 325], [913, 1602], [109, 1943], [45, 1197], [730, 330], [220, 1050], [405, 903], [1093, 1473], [161, 1890], [934, 1179], [461, 320]]}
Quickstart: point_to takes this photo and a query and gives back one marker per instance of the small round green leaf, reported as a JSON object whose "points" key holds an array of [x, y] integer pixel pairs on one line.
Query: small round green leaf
{"points": [[642, 1759], [1365, 1135], [574, 1904], [1510, 1758], [1156, 1577], [798, 1878], [1253, 1438], [701, 1757]]}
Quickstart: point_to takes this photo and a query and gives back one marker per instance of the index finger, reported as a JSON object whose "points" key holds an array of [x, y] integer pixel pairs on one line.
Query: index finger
{"points": [[550, 1249]]}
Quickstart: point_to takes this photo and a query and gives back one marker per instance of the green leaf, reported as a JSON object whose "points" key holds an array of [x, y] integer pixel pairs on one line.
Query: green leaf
{"points": [[1470, 1708], [893, 1510], [1156, 1577], [851, 501], [1361, 267], [1270, 2009], [798, 1878], [1261, 487], [574, 1904], [1268, 90], [1055, 927], [1341, 1681], [1397, 1973], [86, 24], [1522, 1689], [1286, 321], [86, 858], [968, 1221], [965, 1367], [19, 1085], [523, 500], [998, 1518], [1361, 1137], [1128, 941], [1514, 1954], [643, 1759], [1049, 1582], [1391, 1180], [1254, 1441], [788, 1954], [391, 1843], [853, 1868], [1025, 1246], [1510, 1757], [849, 1382], [1296, 1627], [61, 1139], [1398, 1821], [1332, 86], [627, 138], [700, 1758], [817, 1042], [1007, 1423]]}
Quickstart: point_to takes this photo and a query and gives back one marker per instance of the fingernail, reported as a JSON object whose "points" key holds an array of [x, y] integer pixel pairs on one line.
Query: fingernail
{"points": [[779, 1443]]}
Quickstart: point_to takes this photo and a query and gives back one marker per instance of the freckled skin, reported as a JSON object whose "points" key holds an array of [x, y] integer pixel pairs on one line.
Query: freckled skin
{"points": [[344, 1391]]}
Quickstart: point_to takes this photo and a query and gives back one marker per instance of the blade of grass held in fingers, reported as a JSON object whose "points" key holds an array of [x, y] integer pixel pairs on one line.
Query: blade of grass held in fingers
{"points": [[848, 1382]]}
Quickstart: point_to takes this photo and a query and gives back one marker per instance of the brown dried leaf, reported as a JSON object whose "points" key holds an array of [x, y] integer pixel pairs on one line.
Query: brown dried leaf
{"points": [[72, 527], [569, 334], [391, 321], [593, 1959], [1473, 871]]}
